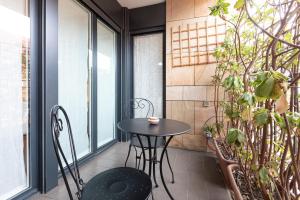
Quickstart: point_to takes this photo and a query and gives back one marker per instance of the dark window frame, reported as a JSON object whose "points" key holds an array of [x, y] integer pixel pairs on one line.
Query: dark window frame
{"points": [[148, 31], [33, 136], [48, 165]]}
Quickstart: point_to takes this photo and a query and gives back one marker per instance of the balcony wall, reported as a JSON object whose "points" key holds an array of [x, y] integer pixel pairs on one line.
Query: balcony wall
{"points": [[191, 36]]}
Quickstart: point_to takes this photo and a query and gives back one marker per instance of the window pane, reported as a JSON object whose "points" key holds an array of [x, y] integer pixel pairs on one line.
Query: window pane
{"points": [[74, 73], [148, 71], [106, 78], [14, 96]]}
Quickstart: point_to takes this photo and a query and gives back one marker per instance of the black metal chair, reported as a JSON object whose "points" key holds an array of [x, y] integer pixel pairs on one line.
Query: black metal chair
{"points": [[114, 184], [147, 109]]}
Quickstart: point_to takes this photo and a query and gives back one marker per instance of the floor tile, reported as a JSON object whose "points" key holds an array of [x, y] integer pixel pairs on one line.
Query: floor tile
{"points": [[197, 176]]}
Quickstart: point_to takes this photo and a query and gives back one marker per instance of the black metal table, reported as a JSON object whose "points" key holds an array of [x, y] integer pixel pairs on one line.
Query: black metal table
{"points": [[165, 128]]}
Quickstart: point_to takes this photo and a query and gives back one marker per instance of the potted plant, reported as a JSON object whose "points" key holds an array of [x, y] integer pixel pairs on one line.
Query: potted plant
{"points": [[223, 153], [258, 67]]}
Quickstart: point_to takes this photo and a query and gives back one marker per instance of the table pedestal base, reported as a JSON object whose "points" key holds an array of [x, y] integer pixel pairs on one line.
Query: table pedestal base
{"points": [[153, 161]]}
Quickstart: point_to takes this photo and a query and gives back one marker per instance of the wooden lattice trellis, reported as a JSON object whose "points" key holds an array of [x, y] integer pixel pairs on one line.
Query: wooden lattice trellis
{"points": [[194, 44]]}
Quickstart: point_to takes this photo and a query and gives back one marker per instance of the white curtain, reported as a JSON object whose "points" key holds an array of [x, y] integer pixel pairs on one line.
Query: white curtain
{"points": [[14, 30], [148, 71], [73, 72], [106, 88]]}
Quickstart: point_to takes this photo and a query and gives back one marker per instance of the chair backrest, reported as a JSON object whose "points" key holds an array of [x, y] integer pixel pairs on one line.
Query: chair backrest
{"points": [[57, 116], [142, 106]]}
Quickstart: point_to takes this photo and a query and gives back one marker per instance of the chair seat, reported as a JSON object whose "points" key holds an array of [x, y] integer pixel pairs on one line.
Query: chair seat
{"points": [[122, 183], [159, 143]]}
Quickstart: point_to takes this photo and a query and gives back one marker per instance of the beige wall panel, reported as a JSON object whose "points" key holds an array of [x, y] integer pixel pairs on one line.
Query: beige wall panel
{"points": [[204, 73], [221, 29], [211, 30], [221, 38], [194, 142], [210, 93], [184, 111], [168, 38], [174, 93], [212, 58], [212, 40], [168, 70], [188, 86], [192, 21], [212, 48], [172, 26], [181, 9], [202, 114], [168, 10], [195, 93], [222, 96], [169, 109], [177, 141], [201, 7], [203, 59], [181, 76]]}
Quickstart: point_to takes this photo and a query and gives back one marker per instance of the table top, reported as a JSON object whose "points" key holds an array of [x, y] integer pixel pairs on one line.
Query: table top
{"points": [[165, 127]]}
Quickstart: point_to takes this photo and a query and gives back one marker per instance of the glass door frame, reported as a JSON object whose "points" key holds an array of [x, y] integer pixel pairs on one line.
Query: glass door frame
{"points": [[117, 62], [34, 113], [49, 96], [95, 19]]}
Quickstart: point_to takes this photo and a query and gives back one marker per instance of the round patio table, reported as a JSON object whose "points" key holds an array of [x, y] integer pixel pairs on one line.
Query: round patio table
{"points": [[165, 128]]}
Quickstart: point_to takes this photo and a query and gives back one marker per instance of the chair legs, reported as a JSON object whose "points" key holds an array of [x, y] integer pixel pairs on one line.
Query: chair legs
{"points": [[152, 195], [138, 160], [129, 150], [173, 181], [154, 168]]}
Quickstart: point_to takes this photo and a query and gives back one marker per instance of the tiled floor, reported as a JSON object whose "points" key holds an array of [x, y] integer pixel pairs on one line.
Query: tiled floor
{"points": [[196, 175]]}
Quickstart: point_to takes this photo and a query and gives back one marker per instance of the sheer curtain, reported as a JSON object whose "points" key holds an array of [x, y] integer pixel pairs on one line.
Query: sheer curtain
{"points": [[14, 37], [73, 72], [148, 71], [106, 88]]}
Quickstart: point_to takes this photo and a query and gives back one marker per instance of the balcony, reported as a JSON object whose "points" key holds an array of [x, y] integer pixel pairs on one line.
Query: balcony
{"points": [[135, 93], [197, 175]]}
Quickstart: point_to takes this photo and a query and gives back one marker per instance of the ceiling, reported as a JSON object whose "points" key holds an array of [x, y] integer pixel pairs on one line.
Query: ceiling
{"points": [[138, 3]]}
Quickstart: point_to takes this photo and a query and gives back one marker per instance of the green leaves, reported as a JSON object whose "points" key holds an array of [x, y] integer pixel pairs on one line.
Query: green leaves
{"points": [[279, 76], [277, 91], [232, 111], [268, 85], [209, 130], [239, 4], [294, 119], [261, 117], [247, 99], [265, 88], [220, 8], [279, 120], [235, 137], [233, 83], [263, 175]]}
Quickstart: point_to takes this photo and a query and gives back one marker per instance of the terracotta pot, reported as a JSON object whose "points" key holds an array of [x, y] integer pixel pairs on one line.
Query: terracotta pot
{"points": [[234, 187], [224, 163]]}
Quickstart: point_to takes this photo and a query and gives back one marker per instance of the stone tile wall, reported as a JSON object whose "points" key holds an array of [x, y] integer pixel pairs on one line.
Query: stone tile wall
{"points": [[189, 91]]}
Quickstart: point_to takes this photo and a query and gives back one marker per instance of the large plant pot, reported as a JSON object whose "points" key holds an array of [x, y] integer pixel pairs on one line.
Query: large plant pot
{"points": [[234, 187], [224, 163]]}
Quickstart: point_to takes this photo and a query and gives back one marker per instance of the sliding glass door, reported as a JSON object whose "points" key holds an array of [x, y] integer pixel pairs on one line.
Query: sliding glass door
{"points": [[74, 75], [148, 70], [74, 72], [14, 97], [106, 84]]}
